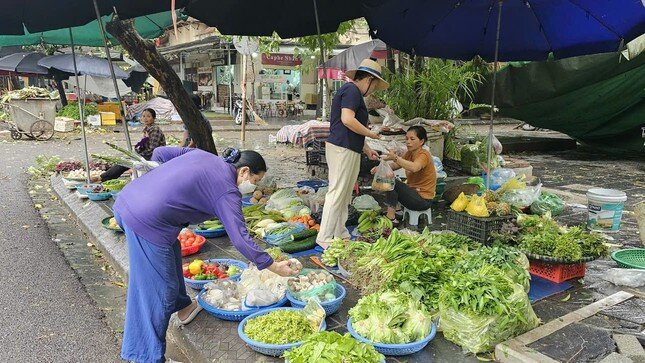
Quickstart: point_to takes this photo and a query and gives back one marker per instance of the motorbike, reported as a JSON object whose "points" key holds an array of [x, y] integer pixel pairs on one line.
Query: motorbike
{"points": [[237, 111]]}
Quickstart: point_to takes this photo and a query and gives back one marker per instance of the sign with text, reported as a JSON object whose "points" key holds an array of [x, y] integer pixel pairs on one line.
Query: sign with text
{"points": [[285, 60]]}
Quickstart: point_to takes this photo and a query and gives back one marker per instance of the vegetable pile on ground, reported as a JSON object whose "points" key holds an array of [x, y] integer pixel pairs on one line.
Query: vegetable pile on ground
{"points": [[114, 185], [390, 317], [81, 174], [485, 206], [300, 241], [329, 346], [66, 166], [307, 220], [279, 233], [258, 197], [30, 92], [287, 202], [71, 111], [541, 235], [481, 308], [279, 327], [257, 218], [313, 284], [204, 270], [211, 225]]}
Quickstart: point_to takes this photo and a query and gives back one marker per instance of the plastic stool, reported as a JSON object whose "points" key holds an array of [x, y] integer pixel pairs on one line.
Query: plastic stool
{"points": [[413, 216]]}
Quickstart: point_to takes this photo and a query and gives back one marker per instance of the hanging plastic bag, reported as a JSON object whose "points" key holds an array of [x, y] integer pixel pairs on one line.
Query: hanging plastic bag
{"points": [[497, 146], [383, 178], [548, 202], [365, 202], [397, 147]]}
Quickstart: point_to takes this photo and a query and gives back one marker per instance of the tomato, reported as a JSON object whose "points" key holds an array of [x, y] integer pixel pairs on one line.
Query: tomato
{"points": [[190, 240]]}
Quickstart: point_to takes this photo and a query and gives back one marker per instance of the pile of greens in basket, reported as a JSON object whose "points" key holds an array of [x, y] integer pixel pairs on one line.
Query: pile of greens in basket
{"points": [[279, 327], [541, 235], [329, 346], [390, 317], [72, 111], [482, 308]]}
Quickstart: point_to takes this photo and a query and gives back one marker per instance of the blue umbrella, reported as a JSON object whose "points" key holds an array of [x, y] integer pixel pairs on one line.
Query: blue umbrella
{"points": [[86, 65], [528, 29], [25, 63]]}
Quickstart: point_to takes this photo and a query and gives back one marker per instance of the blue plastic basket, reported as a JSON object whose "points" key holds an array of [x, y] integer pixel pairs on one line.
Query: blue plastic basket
{"points": [[314, 184], [210, 233], [234, 315], [276, 240], [330, 307], [395, 349], [274, 350], [199, 284], [97, 197], [84, 188]]}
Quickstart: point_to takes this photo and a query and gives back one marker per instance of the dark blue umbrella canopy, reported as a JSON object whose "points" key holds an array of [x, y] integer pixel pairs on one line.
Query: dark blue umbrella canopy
{"points": [[26, 63], [86, 65], [530, 29]]}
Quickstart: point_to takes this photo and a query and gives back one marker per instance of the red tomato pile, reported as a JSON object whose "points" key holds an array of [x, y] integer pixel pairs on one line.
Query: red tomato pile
{"points": [[189, 239]]}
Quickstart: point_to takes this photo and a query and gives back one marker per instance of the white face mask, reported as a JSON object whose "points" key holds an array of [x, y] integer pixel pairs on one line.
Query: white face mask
{"points": [[247, 187]]}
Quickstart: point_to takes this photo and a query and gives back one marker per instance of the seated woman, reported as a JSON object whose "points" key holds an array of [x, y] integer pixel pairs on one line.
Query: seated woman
{"points": [[153, 137], [419, 190]]}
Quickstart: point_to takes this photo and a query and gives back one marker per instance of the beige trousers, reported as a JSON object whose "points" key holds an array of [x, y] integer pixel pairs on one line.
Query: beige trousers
{"points": [[344, 165]]}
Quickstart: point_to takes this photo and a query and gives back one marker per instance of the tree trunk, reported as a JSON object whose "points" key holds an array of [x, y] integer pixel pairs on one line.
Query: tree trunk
{"points": [[389, 61], [146, 54]]}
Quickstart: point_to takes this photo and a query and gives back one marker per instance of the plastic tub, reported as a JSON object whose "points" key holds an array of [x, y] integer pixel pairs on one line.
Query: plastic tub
{"points": [[605, 209], [314, 184], [199, 284], [97, 197]]}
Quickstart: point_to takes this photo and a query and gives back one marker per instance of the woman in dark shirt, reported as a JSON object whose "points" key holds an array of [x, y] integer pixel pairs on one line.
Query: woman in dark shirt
{"points": [[346, 142]]}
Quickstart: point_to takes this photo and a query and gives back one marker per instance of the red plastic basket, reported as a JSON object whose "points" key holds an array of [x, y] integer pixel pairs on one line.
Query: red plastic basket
{"points": [[187, 251], [557, 272]]}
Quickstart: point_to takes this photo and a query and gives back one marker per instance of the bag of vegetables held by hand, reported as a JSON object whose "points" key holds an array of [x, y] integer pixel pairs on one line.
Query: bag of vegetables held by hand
{"points": [[383, 177], [318, 285]]}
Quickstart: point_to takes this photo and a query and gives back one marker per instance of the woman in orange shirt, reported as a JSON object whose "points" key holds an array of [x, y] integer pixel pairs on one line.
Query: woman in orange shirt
{"points": [[419, 190]]}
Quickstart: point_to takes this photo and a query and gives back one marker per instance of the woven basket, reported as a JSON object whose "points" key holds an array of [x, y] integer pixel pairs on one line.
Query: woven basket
{"points": [[630, 258]]}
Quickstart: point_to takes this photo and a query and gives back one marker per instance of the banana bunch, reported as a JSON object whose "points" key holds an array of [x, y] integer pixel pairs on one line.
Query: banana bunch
{"points": [[372, 221]]}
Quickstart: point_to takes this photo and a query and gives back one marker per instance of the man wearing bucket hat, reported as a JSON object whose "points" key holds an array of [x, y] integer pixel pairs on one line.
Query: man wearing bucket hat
{"points": [[346, 142]]}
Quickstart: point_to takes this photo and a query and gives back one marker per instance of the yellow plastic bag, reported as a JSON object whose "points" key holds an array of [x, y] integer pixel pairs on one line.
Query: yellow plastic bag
{"points": [[460, 203], [477, 207]]}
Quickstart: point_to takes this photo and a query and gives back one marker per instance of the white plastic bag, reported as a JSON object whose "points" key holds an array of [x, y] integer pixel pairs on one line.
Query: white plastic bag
{"points": [[497, 146], [499, 176], [522, 198], [384, 178], [625, 277], [258, 298], [397, 147]]}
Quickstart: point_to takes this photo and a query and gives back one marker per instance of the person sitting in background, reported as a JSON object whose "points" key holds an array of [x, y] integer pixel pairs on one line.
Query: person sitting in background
{"points": [[153, 137], [419, 190]]}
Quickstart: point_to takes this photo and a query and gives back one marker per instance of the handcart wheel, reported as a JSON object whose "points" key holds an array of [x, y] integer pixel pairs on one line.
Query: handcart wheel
{"points": [[42, 130], [15, 134]]}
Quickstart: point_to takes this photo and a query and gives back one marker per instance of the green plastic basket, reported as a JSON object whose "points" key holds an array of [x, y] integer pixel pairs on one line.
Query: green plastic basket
{"points": [[630, 258]]}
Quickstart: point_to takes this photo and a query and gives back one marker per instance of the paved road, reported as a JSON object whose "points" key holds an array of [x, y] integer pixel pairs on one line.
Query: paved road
{"points": [[46, 314]]}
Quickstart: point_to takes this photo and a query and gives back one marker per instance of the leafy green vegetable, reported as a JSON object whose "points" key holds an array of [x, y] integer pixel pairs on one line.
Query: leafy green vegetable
{"points": [[333, 348], [279, 327], [72, 111], [390, 317]]}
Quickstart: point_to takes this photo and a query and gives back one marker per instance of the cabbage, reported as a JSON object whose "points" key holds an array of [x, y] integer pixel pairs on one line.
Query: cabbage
{"points": [[417, 326]]}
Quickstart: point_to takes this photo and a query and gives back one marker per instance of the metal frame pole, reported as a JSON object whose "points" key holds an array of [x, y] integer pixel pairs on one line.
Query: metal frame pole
{"points": [[80, 108], [116, 85], [322, 62], [229, 69], [492, 97]]}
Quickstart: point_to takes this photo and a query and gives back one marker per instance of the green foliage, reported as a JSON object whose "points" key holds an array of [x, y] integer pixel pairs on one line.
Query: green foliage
{"points": [[427, 92], [71, 111]]}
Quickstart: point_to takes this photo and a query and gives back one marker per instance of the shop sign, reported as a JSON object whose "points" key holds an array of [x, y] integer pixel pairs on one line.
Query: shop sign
{"points": [[273, 78], [285, 60], [221, 59]]}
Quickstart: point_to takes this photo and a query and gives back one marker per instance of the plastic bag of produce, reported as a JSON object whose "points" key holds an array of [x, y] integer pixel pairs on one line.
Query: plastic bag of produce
{"points": [[500, 176], [383, 178], [365, 202], [258, 298], [438, 165], [319, 285], [479, 181], [547, 202], [522, 198], [477, 333]]}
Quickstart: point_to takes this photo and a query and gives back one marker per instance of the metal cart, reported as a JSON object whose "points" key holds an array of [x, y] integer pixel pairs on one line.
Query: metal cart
{"points": [[30, 117]]}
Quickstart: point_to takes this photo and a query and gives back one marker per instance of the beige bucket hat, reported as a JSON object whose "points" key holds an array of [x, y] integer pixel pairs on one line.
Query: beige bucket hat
{"points": [[373, 68]]}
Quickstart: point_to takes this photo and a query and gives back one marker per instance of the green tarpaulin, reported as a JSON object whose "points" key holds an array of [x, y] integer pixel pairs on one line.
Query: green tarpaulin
{"points": [[597, 99], [149, 27]]}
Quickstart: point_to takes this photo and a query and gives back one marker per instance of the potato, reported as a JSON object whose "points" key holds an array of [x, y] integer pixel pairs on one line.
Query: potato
{"points": [[263, 200], [257, 195], [253, 201]]}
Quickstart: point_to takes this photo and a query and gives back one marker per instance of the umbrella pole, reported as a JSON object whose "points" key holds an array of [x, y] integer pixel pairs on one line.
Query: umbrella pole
{"points": [[322, 61], [80, 108], [492, 97], [116, 85]]}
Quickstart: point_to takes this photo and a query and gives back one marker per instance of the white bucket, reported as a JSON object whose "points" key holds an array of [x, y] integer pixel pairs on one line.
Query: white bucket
{"points": [[605, 209]]}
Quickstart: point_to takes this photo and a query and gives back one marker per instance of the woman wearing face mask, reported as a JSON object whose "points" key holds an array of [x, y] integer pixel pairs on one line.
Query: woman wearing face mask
{"points": [[346, 142], [188, 187]]}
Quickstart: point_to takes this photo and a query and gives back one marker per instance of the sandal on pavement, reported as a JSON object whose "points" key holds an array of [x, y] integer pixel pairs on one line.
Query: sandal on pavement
{"points": [[190, 317]]}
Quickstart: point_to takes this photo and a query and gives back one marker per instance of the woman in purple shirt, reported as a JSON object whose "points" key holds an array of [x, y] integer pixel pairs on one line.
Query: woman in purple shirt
{"points": [[189, 187]]}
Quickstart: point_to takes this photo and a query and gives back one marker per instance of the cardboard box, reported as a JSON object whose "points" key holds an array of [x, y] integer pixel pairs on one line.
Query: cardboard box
{"points": [[108, 118]]}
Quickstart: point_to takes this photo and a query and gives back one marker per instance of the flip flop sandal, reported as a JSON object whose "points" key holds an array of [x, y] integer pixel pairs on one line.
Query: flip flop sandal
{"points": [[190, 317]]}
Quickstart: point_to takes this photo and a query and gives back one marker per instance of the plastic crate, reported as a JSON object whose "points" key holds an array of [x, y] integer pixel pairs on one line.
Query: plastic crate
{"points": [[556, 272], [108, 118], [476, 228], [316, 157]]}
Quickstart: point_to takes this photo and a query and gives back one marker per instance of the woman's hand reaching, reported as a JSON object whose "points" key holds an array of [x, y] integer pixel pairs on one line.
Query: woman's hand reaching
{"points": [[283, 268]]}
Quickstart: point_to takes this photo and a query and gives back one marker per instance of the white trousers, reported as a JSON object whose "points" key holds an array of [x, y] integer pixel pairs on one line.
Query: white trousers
{"points": [[344, 165]]}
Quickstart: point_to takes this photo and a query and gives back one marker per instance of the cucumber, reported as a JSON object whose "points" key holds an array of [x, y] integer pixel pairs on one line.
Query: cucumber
{"points": [[303, 235], [299, 246]]}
